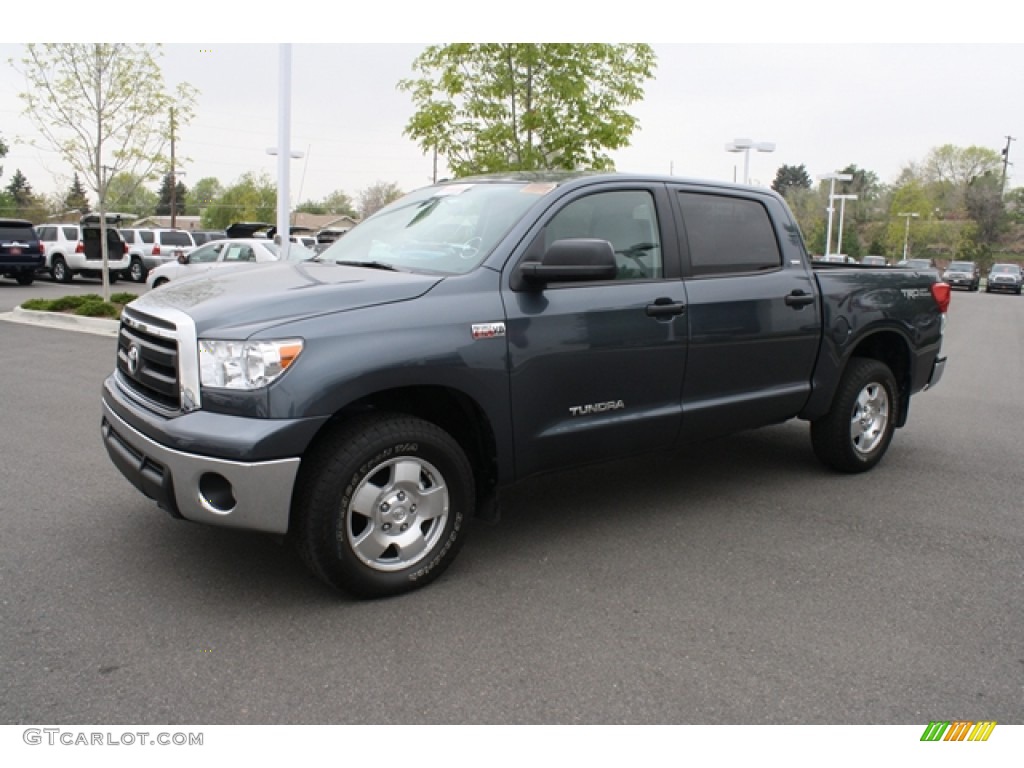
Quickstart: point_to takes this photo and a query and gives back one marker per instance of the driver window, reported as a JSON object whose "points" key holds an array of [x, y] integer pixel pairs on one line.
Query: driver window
{"points": [[626, 219]]}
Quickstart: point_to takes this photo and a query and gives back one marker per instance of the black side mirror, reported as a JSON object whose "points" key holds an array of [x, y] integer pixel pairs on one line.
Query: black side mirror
{"points": [[574, 260]]}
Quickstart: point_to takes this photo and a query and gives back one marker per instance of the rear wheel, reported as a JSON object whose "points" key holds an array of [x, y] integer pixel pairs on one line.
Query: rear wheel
{"points": [[25, 278], [855, 434], [60, 270], [137, 271], [381, 505]]}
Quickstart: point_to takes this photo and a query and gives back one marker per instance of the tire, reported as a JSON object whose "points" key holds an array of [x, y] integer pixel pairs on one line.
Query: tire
{"points": [[855, 434], [160, 281], [60, 271], [113, 277], [137, 272], [25, 278], [355, 518]]}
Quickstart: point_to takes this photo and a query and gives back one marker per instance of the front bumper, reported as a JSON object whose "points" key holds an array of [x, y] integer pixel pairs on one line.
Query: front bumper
{"points": [[1008, 287], [251, 495]]}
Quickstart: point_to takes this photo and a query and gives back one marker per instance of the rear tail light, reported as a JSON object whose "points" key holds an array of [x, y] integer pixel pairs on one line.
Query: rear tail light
{"points": [[125, 247], [80, 248], [156, 249], [940, 291]]}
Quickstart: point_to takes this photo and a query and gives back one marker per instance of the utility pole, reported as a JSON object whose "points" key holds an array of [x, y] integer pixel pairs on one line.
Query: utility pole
{"points": [[1006, 162], [174, 206]]}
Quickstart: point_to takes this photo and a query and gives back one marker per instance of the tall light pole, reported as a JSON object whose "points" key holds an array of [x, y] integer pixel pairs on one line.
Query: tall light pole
{"points": [[744, 146], [906, 232], [832, 178], [842, 208]]}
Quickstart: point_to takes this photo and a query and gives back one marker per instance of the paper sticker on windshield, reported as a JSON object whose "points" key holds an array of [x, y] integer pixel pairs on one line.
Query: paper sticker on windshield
{"points": [[538, 188], [488, 330]]}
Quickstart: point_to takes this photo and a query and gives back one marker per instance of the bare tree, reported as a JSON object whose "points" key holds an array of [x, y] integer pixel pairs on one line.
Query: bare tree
{"points": [[105, 109], [376, 196]]}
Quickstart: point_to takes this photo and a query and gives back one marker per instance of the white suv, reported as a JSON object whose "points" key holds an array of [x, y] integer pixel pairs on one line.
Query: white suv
{"points": [[66, 254], [151, 248]]}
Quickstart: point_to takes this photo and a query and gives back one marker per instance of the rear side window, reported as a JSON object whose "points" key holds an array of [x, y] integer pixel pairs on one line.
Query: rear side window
{"points": [[47, 233], [128, 235], [728, 234], [175, 238], [147, 237]]}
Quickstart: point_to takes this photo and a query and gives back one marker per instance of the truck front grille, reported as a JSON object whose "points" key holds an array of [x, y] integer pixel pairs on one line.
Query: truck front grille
{"points": [[147, 359]]}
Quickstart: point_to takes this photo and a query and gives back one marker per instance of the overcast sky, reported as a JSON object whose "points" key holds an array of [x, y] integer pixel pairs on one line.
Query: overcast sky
{"points": [[879, 105]]}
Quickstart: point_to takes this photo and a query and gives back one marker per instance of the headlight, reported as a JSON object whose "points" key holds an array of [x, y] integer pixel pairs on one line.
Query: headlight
{"points": [[245, 364]]}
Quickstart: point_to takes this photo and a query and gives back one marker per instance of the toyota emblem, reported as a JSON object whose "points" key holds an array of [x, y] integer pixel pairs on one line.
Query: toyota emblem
{"points": [[133, 359]]}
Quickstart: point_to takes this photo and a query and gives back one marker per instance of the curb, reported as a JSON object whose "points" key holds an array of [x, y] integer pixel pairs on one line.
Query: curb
{"points": [[95, 325]]}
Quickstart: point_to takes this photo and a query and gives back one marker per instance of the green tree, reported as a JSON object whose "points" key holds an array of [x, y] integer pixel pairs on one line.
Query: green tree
{"points": [[526, 106], [19, 189], [21, 201], [251, 198], [985, 206], [163, 206], [790, 177], [3, 153], [376, 196], [105, 109], [337, 203], [951, 170], [203, 194], [126, 193], [76, 198]]}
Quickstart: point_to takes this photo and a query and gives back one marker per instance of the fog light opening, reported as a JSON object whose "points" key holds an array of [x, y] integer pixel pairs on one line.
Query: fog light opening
{"points": [[215, 493]]}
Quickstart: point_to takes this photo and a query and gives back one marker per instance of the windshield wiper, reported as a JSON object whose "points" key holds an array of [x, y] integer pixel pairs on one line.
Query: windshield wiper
{"points": [[370, 265]]}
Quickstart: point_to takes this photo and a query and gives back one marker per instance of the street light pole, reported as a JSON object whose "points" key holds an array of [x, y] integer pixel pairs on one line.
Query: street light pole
{"points": [[906, 232], [832, 178], [744, 146], [842, 209]]}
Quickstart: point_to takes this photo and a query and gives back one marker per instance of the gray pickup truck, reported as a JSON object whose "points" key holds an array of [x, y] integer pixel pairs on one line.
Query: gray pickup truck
{"points": [[368, 402]]}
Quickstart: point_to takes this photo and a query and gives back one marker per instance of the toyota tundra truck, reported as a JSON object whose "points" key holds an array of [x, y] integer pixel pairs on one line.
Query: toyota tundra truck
{"points": [[368, 402]]}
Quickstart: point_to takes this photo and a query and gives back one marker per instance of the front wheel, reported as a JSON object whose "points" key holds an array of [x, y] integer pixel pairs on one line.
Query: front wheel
{"points": [[381, 505], [855, 434]]}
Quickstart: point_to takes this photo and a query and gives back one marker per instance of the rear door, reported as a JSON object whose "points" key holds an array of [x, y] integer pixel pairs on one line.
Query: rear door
{"points": [[596, 368], [754, 319]]}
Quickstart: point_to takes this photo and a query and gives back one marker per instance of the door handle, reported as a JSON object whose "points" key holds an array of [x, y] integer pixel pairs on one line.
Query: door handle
{"points": [[799, 299], [665, 307]]}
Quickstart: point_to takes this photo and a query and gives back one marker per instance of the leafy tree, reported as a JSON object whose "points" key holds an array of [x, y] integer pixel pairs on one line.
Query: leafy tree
{"points": [[203, 194], [986, 208], [163, 206], [526, 106], [790, 177], [76, 198], [251, 198], [20, 189], [126, 193], [951, 170], [376, 196], [337, 203], [3, 153], [105, 109]]}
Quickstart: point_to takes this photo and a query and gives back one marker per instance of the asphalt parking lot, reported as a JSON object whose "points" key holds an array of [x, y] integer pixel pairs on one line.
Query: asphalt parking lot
{"points": [[737, 582]]}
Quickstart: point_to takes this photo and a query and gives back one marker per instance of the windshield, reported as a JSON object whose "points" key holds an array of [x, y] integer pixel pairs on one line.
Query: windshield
{"points": [[919, 264], [1011, 269], [447, 229], [961, 266]]}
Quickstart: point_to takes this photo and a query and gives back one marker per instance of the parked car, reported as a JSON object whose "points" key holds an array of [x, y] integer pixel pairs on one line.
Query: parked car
{"points": [[21, 253], [1004, 277], [152, 248], [965, 274], [74, 249], [368, 403], [874, 261], [223, 253], [203, 236]]}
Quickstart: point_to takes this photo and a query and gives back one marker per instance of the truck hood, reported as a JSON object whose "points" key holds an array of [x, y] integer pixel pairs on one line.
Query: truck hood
{"points": [[267, 294]]}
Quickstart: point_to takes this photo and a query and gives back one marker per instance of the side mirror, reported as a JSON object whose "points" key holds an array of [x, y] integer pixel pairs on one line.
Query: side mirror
{"points": [[574, 260], [183, 258]]}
